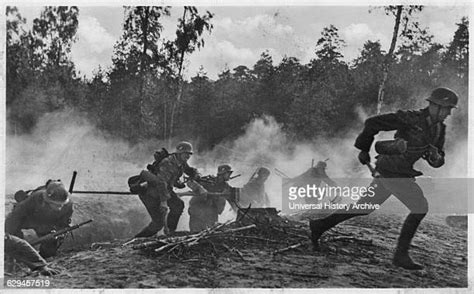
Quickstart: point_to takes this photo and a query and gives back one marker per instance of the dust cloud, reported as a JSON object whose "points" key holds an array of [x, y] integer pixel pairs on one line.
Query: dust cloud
{"points": [[64, 142]]}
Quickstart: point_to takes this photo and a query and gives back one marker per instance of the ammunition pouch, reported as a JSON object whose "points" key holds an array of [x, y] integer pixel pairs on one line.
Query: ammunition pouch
{"points": [[391, 147]]}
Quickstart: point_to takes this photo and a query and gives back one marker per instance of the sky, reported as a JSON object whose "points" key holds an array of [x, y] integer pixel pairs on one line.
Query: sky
{"points": [[242, 33]]}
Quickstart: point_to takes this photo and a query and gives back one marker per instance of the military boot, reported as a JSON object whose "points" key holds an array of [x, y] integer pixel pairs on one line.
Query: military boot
{"points": [[401, 257], [319, 226]]}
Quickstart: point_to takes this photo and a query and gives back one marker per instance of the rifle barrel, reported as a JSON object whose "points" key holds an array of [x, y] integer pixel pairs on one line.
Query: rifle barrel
{"points": [[59, 233]]}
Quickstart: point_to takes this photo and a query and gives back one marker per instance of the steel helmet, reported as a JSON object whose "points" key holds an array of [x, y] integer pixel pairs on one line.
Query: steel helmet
{"points": [[263, 171], [225, 168], [56, 192], [444, 97], [184, 147]]}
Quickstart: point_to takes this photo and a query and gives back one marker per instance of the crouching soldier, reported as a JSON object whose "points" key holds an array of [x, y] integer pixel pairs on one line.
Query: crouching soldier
{"points": [[21, 251], [254, 191], [163, 205], [204, 211], [419, 134], [47, 208]]}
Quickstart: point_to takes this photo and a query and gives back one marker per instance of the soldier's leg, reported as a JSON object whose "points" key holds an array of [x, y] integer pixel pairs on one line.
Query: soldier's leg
{"points": [[49, 248], [411, 195], [194, 210], [319, 226], [176, 206], [195, 223], [157, 210], [22, 251]]}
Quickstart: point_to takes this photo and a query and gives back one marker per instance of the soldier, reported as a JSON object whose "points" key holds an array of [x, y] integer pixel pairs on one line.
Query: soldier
{"points": [[159, 197], [204, 211], [254, 191], [419, 134], [22, 251], [45, 209]]}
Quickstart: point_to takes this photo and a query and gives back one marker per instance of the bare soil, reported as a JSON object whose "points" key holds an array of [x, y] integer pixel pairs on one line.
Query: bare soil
{"points": [[356, 253]]}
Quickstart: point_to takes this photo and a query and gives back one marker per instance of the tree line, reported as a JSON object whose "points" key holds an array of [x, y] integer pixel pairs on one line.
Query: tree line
{"points": [[143, 94]]}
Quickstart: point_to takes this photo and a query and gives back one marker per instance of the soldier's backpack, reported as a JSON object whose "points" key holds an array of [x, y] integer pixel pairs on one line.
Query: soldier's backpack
{"points": [[134, 182], [21, 195], [158, 156]]}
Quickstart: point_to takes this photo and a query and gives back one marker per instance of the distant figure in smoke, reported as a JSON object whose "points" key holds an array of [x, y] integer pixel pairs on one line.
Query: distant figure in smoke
{"points": [[204, 211], [419, 134], [159, 197], [45, 209], [21, 251], [254, 191]]}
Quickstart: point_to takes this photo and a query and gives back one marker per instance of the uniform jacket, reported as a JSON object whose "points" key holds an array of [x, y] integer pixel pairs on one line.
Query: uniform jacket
{"points": [[34, 213], [254, 193], [215, 203], [413, 126], [169, 171]]}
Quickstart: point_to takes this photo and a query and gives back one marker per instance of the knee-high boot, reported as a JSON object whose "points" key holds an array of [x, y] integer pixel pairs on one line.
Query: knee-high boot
{"points": [[319, 226], [401, 257]]}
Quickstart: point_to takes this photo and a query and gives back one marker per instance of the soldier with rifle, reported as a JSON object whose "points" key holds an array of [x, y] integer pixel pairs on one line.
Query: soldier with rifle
{"points": [[205, 210], [254, 191], [158, 195], [419, 134], [46, 209]]}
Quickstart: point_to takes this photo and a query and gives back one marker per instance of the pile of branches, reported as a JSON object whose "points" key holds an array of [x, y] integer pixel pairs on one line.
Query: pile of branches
{"points": [[170, 244], [259, 228]]}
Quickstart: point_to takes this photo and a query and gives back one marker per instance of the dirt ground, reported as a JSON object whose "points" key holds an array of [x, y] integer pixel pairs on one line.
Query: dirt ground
{"points": [[356, 253]]}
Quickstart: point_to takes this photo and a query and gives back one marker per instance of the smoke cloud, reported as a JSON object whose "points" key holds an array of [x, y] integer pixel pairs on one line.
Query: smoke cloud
{"points": [[65, 141]]}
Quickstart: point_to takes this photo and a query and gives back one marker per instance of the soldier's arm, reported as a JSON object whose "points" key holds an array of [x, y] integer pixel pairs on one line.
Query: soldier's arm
{"points": [[16, 218], [375, 124], [436, 157], [65, 218], [190, 171]]}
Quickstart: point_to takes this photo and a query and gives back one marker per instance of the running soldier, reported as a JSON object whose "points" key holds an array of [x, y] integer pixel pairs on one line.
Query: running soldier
{"points": [[419, 134], [159, 197]]}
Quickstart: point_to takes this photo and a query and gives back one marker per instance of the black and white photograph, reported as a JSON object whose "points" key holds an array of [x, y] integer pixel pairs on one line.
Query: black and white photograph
{"points": [[222, 146]]}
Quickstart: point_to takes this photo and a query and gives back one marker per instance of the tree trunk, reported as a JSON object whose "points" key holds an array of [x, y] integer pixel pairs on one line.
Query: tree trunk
{"points": [[143, 65], [175, 105], [388, 58], [174, 109]]}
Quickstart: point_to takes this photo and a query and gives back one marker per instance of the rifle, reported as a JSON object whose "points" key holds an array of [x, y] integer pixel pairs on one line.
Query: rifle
{"points": [[59, 233], [236, 176]]}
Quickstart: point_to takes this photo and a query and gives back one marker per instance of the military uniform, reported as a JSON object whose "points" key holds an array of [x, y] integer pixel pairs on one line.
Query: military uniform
{"points": [[204, 211], [421, 138], [159, 190], [22, 251], [35, 213], [254, 191]]}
